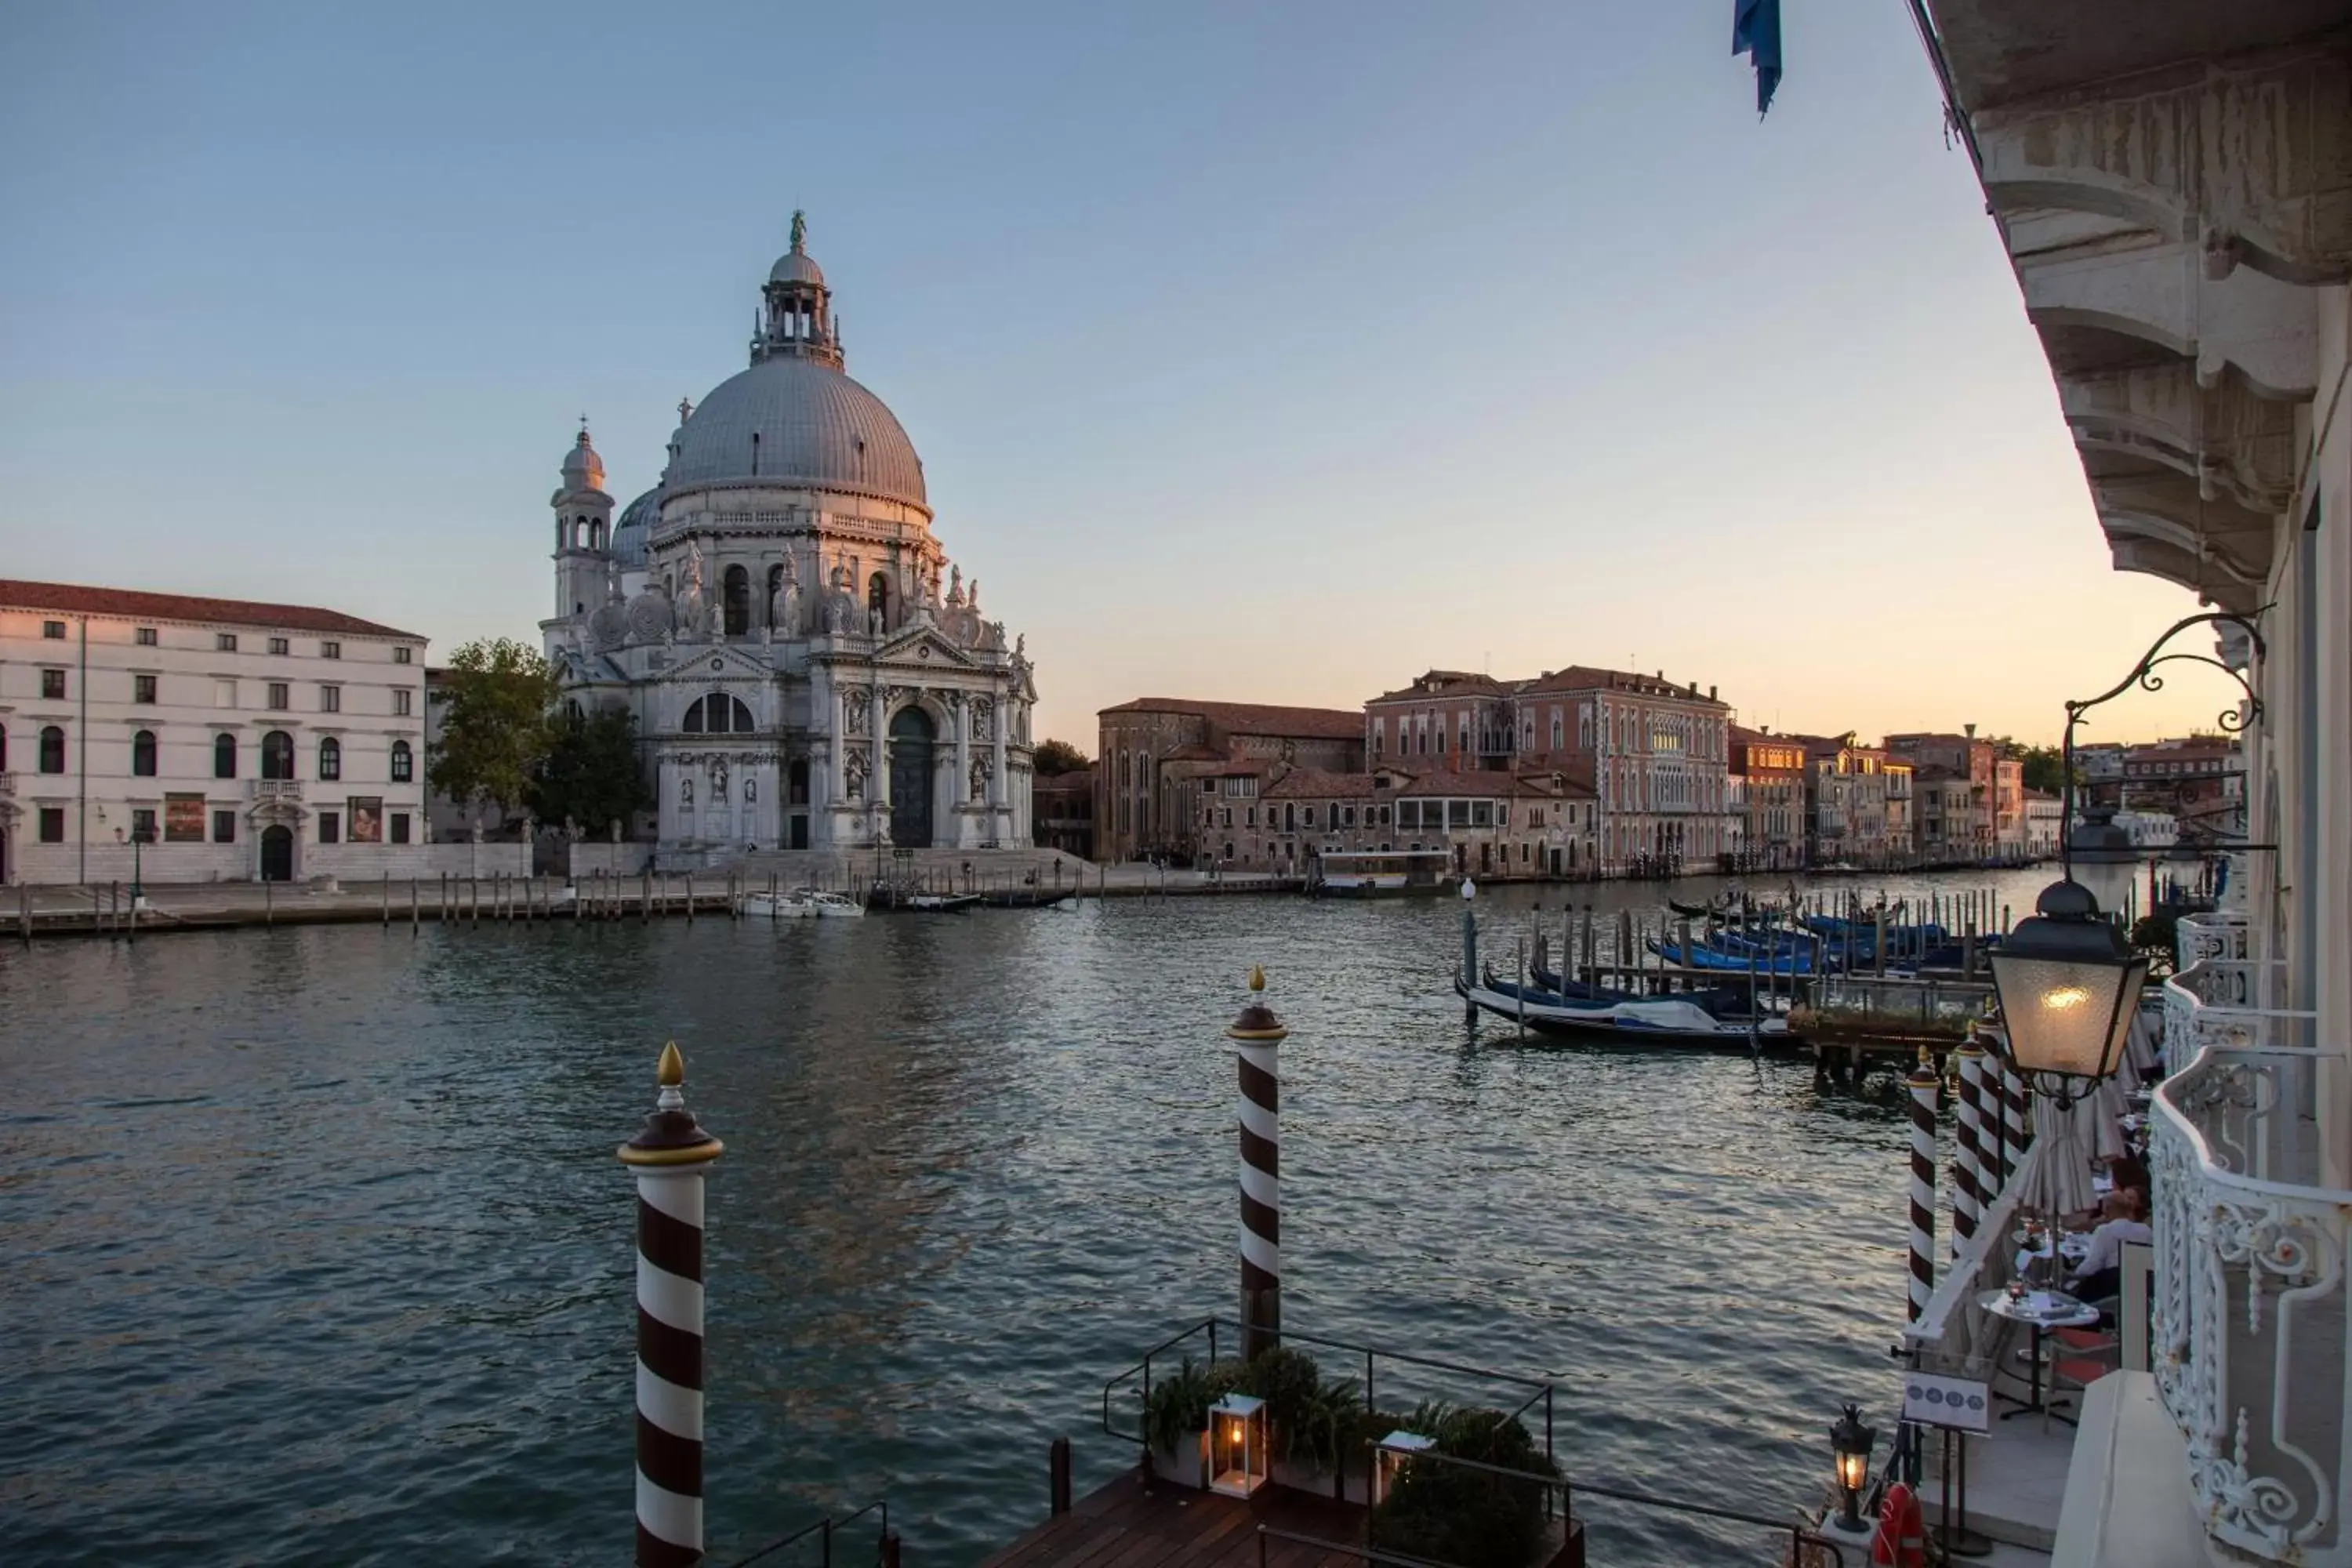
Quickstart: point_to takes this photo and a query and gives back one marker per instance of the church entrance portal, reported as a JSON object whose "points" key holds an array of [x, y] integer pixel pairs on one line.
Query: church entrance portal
{"points": [[277, 854], [912, 741]]}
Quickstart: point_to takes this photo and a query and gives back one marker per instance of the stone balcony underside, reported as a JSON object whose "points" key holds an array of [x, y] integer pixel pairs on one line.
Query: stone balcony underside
{"points": [[2172, 178]]}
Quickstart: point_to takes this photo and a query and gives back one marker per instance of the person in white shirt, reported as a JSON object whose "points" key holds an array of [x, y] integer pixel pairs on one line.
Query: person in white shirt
{"points": [[2100, 1274]]}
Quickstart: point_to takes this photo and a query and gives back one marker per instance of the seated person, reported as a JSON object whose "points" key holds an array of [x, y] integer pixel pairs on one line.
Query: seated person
{"points": [[2100, 1275]]}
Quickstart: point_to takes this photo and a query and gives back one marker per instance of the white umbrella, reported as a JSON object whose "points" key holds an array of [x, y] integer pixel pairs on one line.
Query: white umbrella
{"points": [[2139, 1047], [2105, 1109], [2062, 1177]]}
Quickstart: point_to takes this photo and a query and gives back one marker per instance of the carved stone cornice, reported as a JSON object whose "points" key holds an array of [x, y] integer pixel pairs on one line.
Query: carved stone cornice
{"points": [[2265, 329], [2240, 445]]}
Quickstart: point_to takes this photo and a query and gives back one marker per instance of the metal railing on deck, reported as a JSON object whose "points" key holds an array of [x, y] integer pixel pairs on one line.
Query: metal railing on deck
{"points": [[885, 1543], [1541, 1389]]}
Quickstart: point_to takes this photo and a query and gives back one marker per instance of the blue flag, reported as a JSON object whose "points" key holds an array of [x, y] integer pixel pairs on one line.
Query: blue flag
{"points": [[1756, 31]]}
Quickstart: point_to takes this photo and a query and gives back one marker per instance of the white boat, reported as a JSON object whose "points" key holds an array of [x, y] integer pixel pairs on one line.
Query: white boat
{"points": [[1371, 873], [801, 904]]}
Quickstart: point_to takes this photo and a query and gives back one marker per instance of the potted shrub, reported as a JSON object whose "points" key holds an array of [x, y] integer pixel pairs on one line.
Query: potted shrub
{"points": [[1176, 1422], [1445, 1513]]}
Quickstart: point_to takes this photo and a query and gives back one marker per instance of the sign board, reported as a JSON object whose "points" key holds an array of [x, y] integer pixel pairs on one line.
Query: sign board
{"points": [[1961, 1403]]}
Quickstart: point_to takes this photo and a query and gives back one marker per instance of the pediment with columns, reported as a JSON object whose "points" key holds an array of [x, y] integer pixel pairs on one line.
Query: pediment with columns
{"points": [[701, 665]]}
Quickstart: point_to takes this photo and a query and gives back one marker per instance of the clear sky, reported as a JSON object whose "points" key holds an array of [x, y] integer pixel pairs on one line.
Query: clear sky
{"points": [[1270, 353]]}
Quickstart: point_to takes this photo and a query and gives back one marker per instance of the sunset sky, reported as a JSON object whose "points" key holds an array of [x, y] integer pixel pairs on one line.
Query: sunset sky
{"points": [[1260, 354]]}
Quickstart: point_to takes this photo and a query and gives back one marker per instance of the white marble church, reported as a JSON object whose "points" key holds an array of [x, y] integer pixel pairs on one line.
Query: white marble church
{"points": [[806, 670]]}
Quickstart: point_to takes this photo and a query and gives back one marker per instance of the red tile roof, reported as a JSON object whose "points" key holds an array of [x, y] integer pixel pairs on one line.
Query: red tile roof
{"points": [[1585, 678], [1314, 783], [131, 604], [1437, 683], [1256, 718]]}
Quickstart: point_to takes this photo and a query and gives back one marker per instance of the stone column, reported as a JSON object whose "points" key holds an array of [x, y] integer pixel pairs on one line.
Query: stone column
{"points": [[839, 768], [962, 791], [1003, 717], [878, 781]]}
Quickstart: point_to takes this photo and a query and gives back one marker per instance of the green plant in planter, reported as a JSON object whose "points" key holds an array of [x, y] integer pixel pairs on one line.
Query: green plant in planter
{"points": [[1178, 1409], [1450, 1514]]}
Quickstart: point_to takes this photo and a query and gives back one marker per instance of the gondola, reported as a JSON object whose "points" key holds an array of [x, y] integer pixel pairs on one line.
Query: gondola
{"points": [[1726, 1002], [1799, 960], [1642, 1021]]}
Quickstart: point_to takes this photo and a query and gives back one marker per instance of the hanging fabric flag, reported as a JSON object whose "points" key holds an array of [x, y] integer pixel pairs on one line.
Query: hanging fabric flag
{"points": [[1755, 32]]}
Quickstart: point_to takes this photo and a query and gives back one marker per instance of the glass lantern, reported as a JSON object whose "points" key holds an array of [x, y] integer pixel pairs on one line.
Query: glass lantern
{"points": [[1850, 1444], [1238, 1450], [2068, 990], [1396, 1451]]}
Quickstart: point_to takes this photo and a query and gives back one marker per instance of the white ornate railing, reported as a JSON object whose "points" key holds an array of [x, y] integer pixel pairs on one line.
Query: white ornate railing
{"points": [[2252, 1325], [2232, 1002], [276, 789], [2218, 934]]}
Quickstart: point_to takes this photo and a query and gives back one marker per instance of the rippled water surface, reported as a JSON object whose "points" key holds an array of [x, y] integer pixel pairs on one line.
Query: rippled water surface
{"points": [[318, 1253]]}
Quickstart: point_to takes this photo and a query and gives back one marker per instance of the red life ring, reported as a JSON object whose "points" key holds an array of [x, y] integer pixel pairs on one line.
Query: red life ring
{"points": [[1901, 1540]]}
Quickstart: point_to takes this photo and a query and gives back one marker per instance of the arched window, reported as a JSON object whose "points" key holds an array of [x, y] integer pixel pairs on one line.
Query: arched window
{"points": [[142, 754], [224, 756], [331, 760], [404, 763], [717, 714], [736, 602], [53, 750], [278, 755], [877, 597]]}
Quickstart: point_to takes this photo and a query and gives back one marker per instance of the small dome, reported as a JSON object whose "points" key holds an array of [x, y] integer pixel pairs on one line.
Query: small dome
{"points": [[582, 468], [631, 534], [815, 427], [796, 266]]}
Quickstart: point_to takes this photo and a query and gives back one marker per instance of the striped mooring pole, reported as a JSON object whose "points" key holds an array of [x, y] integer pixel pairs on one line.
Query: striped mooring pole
{"points": [[1924, 1083], [2012, 1121], [1257, 1035], [669, 1157], [1968, 1193]]}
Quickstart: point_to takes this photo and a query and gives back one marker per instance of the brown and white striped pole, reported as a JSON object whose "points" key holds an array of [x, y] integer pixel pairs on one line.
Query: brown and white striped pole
{"points": [[1969, 1195], [2012, 1121], [1923, 1085], [1257, 1034], [669, 1157]]}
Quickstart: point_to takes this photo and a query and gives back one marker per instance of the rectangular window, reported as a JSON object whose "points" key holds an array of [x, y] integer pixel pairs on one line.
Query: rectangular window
{"points": [[145, 636], [143, 825], [330, 827], [142, 689], [281, 695], [331, 650], [1253, 817], [224, 693], [403, 656], [53, 685], [331, 699], [1458, 813], [399, 828], [54, 630], [225, 642], [1482, 814], [183, 819], [224, 827], [401, 699], [53, 825], [279, 644]]}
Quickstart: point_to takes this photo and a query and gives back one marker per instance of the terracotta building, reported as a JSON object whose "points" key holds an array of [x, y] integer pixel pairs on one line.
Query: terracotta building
{"points": [[1154, 753], [1771, 773], [2198, 780], [1267, 816]]}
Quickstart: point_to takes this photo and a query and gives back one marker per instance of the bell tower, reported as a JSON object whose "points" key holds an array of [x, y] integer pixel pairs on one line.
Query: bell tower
{"points": [[584, 531]]}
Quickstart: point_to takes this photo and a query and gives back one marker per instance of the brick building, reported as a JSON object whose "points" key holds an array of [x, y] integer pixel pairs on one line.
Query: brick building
{"points": [[1770, 772], [2198, 780], [1993, 827], [1062, 812], [1155, 753], [1267, 816]]}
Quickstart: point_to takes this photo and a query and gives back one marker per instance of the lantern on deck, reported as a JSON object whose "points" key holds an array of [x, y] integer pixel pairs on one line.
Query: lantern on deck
{"points": [[2069, 988], [1851, 1442], [1396, 1451], [1238, 1452]]}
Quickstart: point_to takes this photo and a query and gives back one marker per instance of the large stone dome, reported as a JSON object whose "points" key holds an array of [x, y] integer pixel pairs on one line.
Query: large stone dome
{"points": [[813, 426]]}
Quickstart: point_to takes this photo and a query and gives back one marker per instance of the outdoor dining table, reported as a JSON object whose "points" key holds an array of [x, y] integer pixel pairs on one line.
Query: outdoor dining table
{"points": [[2040, 1310]]}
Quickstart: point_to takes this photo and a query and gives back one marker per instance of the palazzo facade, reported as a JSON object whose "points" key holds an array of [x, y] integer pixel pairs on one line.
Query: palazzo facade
{"points": [[806, 668]]}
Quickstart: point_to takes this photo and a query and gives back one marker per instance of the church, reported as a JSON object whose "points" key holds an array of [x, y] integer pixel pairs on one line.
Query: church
{"points": [[805, 667]]}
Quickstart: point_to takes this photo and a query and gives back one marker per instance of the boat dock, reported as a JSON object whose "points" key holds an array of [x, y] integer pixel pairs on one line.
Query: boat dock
{"points": [[1133, 1522]]}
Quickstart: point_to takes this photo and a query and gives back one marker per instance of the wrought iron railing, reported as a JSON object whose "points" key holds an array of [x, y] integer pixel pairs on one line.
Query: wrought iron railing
{"points": [[2237, 1003], [2252, 1322], [886, 1545]]}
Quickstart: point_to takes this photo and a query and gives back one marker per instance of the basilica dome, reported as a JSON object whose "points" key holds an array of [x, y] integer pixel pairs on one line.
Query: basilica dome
{"points": [[635, 529], [798, 421]]}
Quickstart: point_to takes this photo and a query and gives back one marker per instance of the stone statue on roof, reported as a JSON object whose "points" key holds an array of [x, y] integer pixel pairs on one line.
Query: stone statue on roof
{"points": [[800, 229]]}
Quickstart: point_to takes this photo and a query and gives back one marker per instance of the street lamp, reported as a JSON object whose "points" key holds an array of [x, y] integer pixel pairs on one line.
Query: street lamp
{"points": [[1850, 1444], [2067, 980]]}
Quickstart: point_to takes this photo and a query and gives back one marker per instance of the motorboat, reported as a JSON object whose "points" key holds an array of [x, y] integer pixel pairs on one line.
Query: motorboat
{"points": [[801, 904]]}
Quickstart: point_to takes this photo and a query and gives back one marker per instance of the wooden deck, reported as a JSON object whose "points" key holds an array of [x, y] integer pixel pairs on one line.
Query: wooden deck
{"points": [[1125, 1525]]}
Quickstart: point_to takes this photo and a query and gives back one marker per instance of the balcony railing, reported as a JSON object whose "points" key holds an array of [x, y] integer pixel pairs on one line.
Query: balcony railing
{"points": [[7, 785], [2232, 1002], [2218, 934], [275, 789], [2252, 1320]]}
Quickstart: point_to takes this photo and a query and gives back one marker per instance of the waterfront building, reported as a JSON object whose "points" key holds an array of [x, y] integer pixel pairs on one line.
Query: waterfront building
{"points": [[2044, 820], [2200, 780], [1945, 802], [1263, 814], [1153, 755], [2100, 765], [236, 740], [1658, 752], [2173, 184], [1994, 826], [1769, 771], [1062, 807], [806, 668], [1902, 810], [1847, 814]]}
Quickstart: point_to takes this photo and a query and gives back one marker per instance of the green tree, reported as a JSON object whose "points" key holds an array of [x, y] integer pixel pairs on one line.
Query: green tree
{"points": [[2044, 768], [496, 700], [591, 776], [1057, 757]]}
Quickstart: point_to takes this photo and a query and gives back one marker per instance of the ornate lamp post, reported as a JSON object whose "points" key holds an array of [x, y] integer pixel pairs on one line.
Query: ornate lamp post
{"points": [[1850, 1445], [2067, 980]]}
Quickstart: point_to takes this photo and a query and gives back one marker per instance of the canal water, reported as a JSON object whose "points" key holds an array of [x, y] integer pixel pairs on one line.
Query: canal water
{"points": [[317, 1251]]}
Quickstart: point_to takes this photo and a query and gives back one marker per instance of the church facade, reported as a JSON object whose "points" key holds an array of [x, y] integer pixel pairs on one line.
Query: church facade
{"points": [[806, 668]]}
